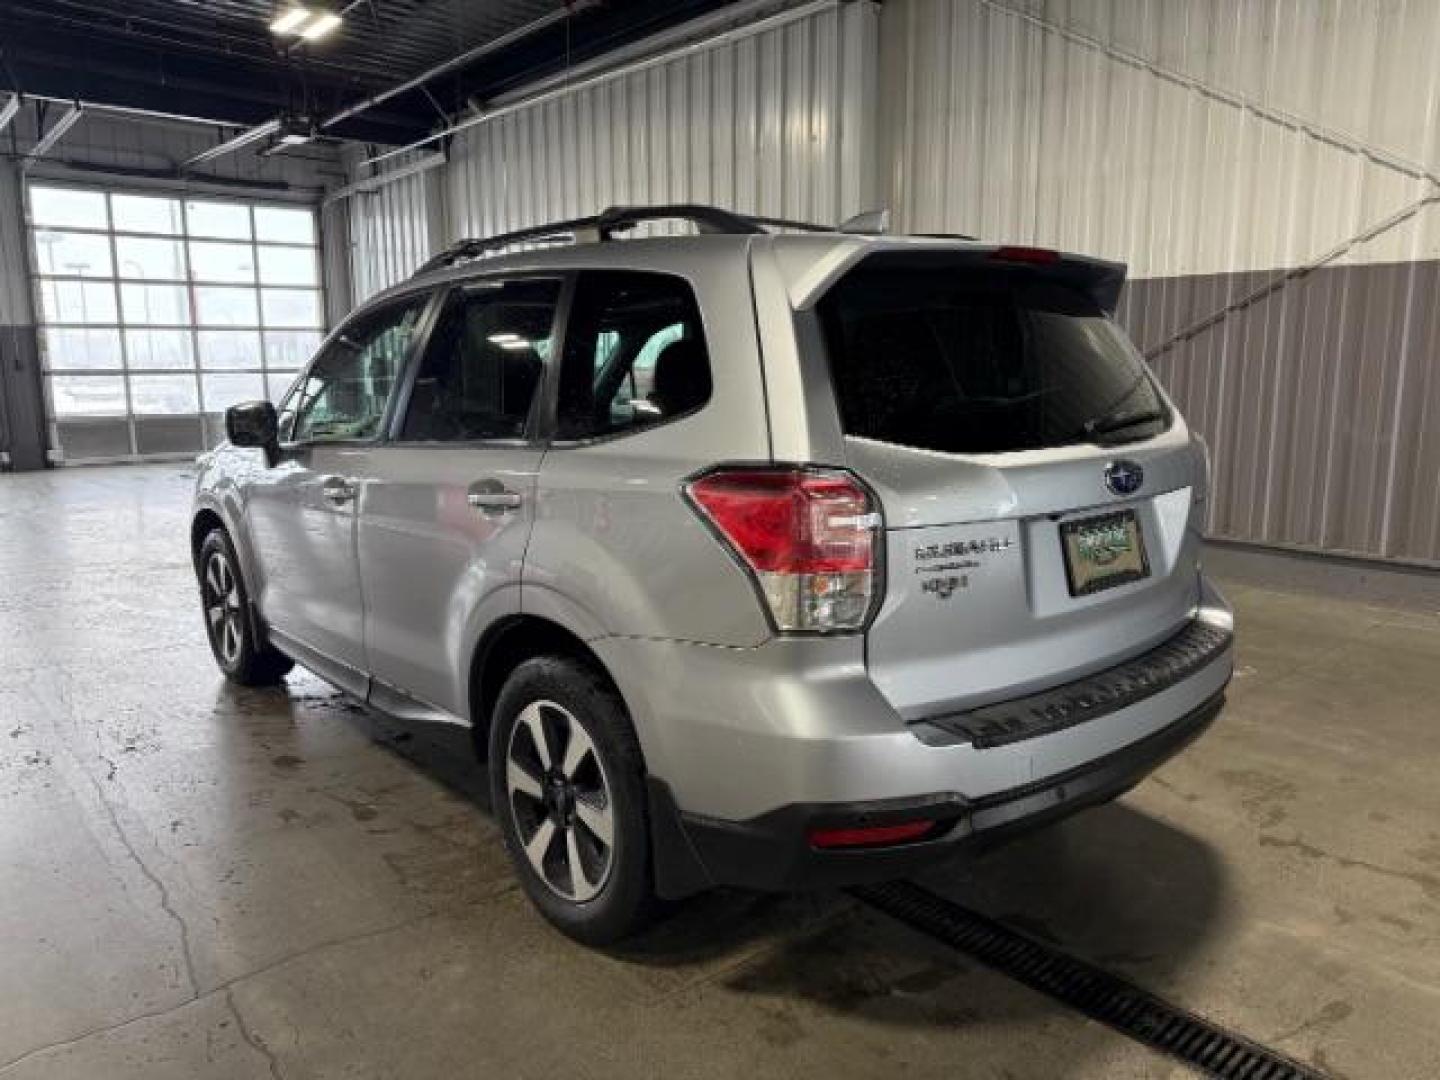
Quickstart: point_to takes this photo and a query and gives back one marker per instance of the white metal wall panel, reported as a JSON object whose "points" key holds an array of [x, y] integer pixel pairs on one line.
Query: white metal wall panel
{"points": [[1164, 132], [774, 123], [1270, 166], [392, 231]]}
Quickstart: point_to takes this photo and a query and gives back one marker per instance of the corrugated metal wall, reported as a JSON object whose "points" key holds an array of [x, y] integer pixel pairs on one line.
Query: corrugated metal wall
{"points": [[776, 122], [1267, 170], [393, 229], [764, 124]]}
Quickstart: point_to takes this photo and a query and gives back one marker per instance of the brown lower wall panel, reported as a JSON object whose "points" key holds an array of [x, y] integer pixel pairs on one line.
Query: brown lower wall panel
{"points": [[1320, 401], [22, 406]]}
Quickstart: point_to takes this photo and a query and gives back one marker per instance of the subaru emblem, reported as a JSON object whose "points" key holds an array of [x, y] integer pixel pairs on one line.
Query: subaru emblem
{"points": [[1124, 477]]}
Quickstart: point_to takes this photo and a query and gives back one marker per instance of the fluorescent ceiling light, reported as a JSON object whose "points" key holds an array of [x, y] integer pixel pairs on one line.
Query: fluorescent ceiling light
{"points": [[289, 21], [322, 25]]}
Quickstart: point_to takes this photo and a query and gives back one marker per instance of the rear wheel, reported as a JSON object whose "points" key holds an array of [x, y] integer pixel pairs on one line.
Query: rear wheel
{"points": [[567, 782], [226, 604]]}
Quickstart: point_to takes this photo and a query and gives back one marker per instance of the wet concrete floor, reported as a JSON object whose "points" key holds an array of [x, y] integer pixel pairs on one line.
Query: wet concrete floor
{"points": [[200, 881]]}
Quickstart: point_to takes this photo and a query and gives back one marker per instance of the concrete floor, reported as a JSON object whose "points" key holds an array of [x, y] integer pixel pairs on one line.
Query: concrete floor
{"points": [[201, 881]]}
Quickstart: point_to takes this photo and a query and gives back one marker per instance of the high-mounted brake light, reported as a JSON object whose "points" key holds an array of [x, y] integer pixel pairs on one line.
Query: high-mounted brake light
{"points": [[1038, 256], [807, 536]]}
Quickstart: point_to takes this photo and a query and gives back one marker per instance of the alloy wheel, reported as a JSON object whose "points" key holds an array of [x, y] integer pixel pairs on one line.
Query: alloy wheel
{"points": [[559, 797], [222, 608]]}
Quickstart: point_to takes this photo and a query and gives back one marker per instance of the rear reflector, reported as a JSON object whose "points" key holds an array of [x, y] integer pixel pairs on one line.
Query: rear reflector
{"points": [[807, 536], [870, 836], [1039, 256]]}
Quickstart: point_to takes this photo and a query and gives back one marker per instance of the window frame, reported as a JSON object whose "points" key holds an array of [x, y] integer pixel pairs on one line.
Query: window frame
{"points": [[552, 405], [540, 425], [425, 325]]}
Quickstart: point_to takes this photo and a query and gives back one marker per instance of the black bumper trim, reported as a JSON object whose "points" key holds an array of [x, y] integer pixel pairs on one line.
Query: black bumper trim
{"points": [[771, 852], [1172, 661]]}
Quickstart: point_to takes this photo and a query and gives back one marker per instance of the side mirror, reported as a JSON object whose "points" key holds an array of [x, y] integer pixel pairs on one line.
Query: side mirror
{"points": [[254, 423]]}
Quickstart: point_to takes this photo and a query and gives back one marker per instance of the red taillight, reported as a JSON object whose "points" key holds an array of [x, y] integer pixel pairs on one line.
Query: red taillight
{"points": [[870, 836], [808, 536], [1039, 256]]}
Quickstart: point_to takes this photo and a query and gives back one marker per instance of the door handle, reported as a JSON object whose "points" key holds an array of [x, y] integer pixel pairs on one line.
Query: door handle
{"points": [[493, 496], [337, 490]]}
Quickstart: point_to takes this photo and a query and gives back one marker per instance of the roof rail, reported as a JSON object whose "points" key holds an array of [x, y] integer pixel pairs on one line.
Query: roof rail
{"points": [[708, 219], [615, 219]]}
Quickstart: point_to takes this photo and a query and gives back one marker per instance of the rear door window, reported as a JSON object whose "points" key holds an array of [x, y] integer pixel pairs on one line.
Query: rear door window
{"points": [[634, 355], [965, 360]]}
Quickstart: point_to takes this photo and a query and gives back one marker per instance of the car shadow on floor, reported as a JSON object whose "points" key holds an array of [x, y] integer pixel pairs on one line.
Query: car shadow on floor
{"points": [[1113, 886]]}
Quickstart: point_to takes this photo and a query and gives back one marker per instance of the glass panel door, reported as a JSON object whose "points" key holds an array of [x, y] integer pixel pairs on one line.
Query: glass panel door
{"points": [[158, 311]]}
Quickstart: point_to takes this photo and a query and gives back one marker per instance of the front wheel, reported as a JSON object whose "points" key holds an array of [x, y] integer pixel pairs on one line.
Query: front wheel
{"points": [[567, 782], [226, 604]]}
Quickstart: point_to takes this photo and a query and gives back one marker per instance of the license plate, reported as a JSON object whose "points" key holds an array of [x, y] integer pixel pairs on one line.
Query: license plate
{"points": [[1103, 552]]}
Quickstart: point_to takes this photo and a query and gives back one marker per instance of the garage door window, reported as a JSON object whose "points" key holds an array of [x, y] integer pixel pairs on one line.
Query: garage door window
{"points": [[159, 312]]}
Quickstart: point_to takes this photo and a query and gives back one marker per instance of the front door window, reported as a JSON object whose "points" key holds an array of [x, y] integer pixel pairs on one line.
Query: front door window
{"points": [[344, 395]]}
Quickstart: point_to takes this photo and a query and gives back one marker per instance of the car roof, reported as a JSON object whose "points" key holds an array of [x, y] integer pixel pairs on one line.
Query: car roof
{"points": [[809, 263]]}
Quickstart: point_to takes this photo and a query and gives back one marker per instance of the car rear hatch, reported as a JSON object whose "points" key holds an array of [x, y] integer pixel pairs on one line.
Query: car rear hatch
{"points": [[1038, 489]]}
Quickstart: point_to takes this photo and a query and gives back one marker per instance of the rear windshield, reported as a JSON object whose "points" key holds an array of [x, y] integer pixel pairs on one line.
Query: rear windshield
{"points": [[964, 360]]}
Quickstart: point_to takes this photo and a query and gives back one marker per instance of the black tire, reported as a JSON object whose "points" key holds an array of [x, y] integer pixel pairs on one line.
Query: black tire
{"points": [[225, 606], [557, 692]]}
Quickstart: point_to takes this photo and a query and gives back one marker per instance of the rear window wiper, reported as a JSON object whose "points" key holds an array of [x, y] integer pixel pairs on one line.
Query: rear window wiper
{"points": [[1119, 421]]}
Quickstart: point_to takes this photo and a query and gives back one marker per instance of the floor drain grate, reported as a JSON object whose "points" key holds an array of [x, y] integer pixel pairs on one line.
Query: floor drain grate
{"points": [[1096, 993]]}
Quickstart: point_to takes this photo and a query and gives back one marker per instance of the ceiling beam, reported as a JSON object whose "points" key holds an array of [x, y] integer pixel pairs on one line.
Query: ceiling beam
{"points": [[9, 110], [238, 100], [57, 131], [235, 143], [464, 59]]}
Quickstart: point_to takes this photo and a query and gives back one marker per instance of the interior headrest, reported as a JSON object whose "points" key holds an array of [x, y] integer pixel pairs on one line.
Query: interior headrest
{"points": [[682, 377]]}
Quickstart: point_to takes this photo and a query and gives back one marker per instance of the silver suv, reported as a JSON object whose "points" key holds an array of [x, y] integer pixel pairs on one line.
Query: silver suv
{"points": [[750, 559]]}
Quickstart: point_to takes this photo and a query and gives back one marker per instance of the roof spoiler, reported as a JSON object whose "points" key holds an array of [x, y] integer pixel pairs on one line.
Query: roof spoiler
{"points": [[809, 277]]}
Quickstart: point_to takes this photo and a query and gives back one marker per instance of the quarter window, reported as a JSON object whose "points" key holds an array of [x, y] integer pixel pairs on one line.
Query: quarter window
{"points": [[344, 394], [483, 368], [634, 356]]}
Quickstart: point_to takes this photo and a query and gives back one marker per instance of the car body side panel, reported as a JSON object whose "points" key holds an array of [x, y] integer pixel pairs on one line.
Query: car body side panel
{"points": [[614, 536], [219, 487], [612, 530], [432, 566], [309, 586], [805, 425]]}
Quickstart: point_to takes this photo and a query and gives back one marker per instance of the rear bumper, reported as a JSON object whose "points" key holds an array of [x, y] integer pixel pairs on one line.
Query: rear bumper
{"points": [[750, 748], [772, 851]]}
